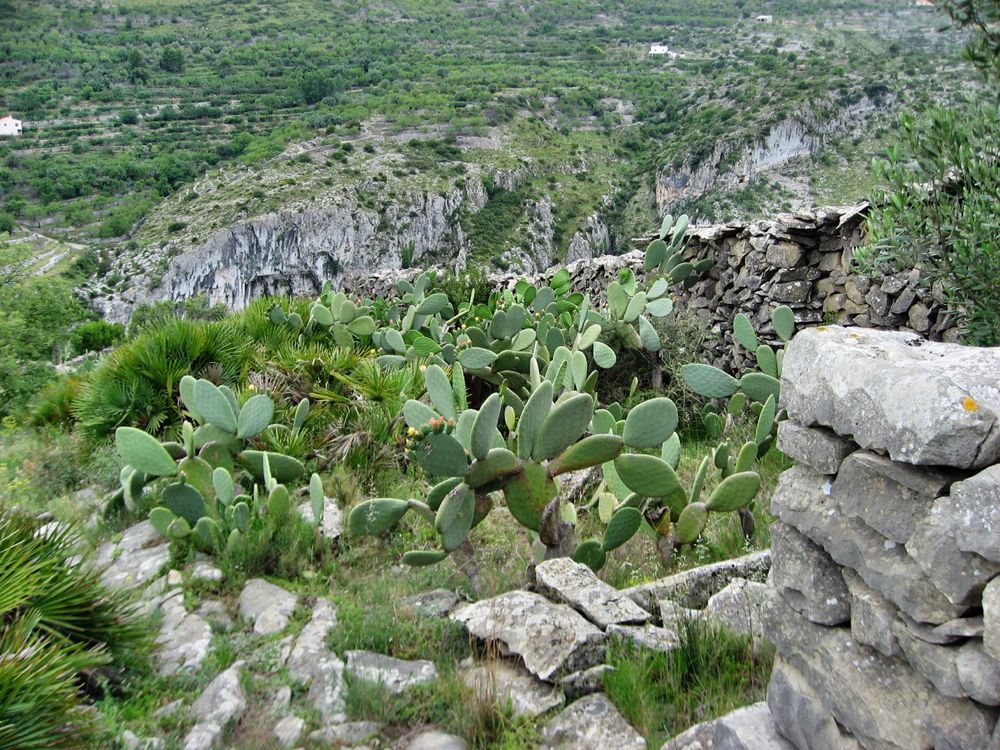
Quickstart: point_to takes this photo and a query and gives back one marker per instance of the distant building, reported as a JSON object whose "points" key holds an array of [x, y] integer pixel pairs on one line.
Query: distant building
{"points": [[765, 19], [10, 126], [662, 49]]}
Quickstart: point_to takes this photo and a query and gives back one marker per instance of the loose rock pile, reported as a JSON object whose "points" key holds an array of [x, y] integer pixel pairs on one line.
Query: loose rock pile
{"points": [[884, 600]]}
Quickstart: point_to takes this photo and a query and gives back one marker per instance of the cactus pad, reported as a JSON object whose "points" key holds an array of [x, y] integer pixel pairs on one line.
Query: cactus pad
{"points": [[375, 516], [734, 492], [143, 452], [650, 423]]}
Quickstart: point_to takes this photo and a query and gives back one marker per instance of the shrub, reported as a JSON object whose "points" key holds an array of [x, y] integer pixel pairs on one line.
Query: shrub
{"points": [[96, 335], [54, 404]]}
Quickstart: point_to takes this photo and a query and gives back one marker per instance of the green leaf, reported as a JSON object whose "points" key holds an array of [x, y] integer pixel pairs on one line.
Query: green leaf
{"points": [[535, 411], [421, 558], [375, 516], [564, 425], [767, 361], [317, 498], [363, 326], [143, 452], [765, 421], [476, 358], [635, 307], [591, 451], [440, 392], [213, 405], [617, 299], [417, 414], [709, 381], [670, 451], [744, 333], [453, 519], [161, 518], [321, 315], [442, 455], [255, 416], [527, 494], [622, 527], [656, 251], [734, 492], [591, 554], [783, 320], [183, 500], [648, 476], [660, 308], [439, 491], [759, 386], [588, 337], [283, 468], [648, 336], [650, 423], [691, 523], [604, 355], [435, 303], [485, 426]]}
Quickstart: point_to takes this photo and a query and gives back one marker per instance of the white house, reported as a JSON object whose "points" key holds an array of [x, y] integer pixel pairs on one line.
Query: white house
{"points": [[765, 19], [10, 126], [659, 49]]}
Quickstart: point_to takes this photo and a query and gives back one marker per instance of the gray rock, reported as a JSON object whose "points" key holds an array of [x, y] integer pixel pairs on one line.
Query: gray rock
{"points": [[881, 701], [673, 615], [281, 701], [332, 524], [799, 714], [817, 447], [203, 736], [288, 731], [921, 402], [138, 537], [552, 639], [169, 709], [131, 741], [591, 722], [807, 578], [960, 576], [935, 662], [991, 618], [577, 486], [216, 614], [739, 608], [184, 645], [961, 627], [890, 497], [267, 606], [585, 682], [750, 728], [134, 568], [221, 703], [396, 675], [976, 513], [204, 571], [562, 579], [310, 646], [978, 674], [327, 692], [646, 636], [436, 603], [435, 740], [349, 733], [693, 588], [802, 499], [504, 683], [872, 616]]}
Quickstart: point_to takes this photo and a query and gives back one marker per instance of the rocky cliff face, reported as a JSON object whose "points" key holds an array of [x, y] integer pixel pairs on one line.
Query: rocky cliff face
{"points": [[730, 165]]}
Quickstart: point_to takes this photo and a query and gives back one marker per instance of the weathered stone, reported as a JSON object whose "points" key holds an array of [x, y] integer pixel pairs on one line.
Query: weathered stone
{"points": [[205, 571], [138, 537], [975, 517], [552, 639], [799, 714], [872, 616], [577, 486], [961, 627], [750, 728], [816, 447], [585, 682], [784, 255], [347, 734], [933, 661], [327, 692], [739, 608], [646, 636], [591, 722], [331, 525], [134, 568], [435, 740], [288, 731], [396, 675], [693, 588], [890, 497], [215, 613], [960, 576], [865, 383], [919, 317], [436, 603], [978, 674], [807, 578], [310, 646], [183, 645], [131, 741], [281, 701], [564, 580], [203, 736], [802, 499], [221, 703], [500, 681], [881, 701], [267, 606], [673, 615], [991, 618]]}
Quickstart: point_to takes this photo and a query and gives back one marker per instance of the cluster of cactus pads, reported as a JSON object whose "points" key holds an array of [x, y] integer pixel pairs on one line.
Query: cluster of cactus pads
{"points": [[201, 496], [557, 430]]}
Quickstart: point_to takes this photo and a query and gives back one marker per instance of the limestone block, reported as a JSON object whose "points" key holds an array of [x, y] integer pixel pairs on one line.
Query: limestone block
{"points": [[978, 673], [564, 580], [991, 618], [267, 606], [749, 728], [935, 662], [506, 683], [816, 447], [396, 675], [799, 714], [921, 402], [872, 616], [976, 513], [807, 578], [592, 721], [693, 588]]}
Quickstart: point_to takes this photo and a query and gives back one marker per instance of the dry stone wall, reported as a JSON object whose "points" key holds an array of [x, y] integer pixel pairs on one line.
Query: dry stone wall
{"points": [[802, 260], [884, 592]]}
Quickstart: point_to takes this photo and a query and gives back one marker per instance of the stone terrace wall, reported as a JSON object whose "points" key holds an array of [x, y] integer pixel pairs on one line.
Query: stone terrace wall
{"points": [[884, 595], [802, 260]]}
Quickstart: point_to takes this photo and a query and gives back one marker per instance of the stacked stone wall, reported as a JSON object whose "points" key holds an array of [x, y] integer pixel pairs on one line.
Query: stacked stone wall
{"points": [[803, 260], [884, 592]]}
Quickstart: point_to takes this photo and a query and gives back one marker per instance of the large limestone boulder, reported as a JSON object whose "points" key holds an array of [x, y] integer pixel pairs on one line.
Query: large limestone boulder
{"points": [[593, 721], [750, 728], [563, 579], [920, 402]]}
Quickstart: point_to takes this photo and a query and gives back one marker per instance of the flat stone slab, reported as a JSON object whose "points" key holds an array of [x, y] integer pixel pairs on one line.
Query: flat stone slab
{"points": [[184, 639], [553, 639], [693, 588], [921, 402], [396, 675], [650, 637], [803, 500], [222, 702], [806, 576], [576, 584], [799, 714], [591, 722], [739, 608], [750, 728], [267, 606], [585, 682], [505, 683], [435, 740], [436, 603], [817, 447], [331, 525], [135, 568]]}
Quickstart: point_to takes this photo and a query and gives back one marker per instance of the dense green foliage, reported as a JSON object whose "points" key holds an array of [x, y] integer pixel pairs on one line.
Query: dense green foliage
{"points": [[939, 209]]}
